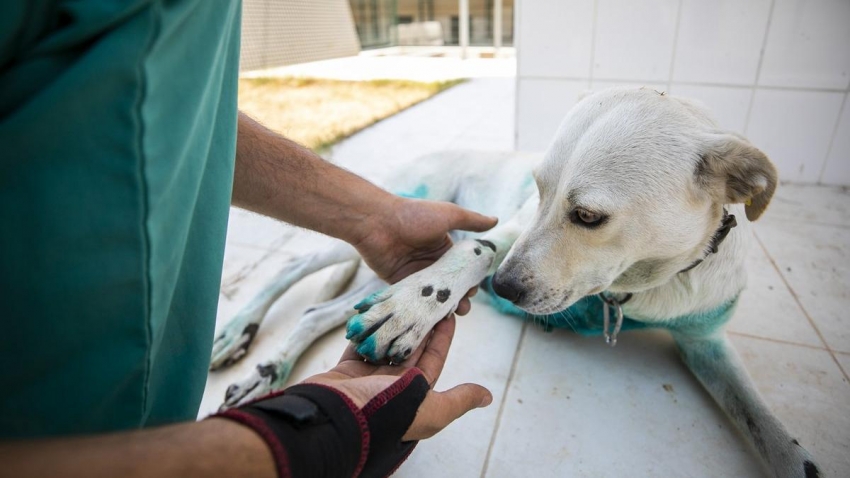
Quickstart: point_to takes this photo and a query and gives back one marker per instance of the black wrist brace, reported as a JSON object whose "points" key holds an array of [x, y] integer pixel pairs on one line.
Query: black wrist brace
{"points": [[316, 431]]}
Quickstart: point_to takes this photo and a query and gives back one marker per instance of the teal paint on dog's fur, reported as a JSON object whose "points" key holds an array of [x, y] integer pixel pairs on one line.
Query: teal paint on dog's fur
{"points": [[368, 347], [354, 327], [702, 324], [585, 316], [368, 302], [421, 192]]}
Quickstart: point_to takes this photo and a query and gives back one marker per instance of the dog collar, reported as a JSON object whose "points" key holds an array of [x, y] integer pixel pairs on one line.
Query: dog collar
{"points": [[726, 225]]}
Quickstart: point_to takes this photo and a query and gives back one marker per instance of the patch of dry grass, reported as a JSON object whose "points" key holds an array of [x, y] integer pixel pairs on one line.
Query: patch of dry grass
{"points": [[319, 112]]}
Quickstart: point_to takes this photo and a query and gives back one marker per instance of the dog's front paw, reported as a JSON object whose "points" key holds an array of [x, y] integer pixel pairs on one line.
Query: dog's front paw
{"points": [[265, 379], [391, 324]]}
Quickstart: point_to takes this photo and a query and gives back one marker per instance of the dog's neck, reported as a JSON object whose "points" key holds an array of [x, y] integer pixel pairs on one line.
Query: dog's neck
{"points": [[709, 283], [726, 224]]}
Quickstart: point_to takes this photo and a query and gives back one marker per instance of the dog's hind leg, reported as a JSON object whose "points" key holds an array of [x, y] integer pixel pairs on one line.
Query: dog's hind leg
{"points": [[315, 322], [718, 368], [232, 343]]}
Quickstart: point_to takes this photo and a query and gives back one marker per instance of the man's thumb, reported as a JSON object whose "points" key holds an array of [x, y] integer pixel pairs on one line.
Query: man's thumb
{"points": [[456, 401], [441, 408], [467, 220]]}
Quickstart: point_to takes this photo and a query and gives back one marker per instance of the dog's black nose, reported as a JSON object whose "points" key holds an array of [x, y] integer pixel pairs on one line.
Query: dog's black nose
{"points": [[507, 288]]}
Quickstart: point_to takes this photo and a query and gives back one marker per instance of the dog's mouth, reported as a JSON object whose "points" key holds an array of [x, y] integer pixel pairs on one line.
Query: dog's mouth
{"points": [[545, 307]]}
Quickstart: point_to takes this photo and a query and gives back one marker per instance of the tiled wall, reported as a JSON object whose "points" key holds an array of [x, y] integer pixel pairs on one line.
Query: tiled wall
{"points": [[777, 71], [278, 33]]}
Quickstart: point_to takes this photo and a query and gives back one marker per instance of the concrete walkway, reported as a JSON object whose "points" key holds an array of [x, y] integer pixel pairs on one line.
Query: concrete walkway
{"points": [[570, 406], [405, 63]]}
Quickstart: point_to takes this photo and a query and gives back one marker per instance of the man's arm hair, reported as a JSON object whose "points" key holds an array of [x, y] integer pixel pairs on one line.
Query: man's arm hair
{"points": [[279, 178], [210, 448]]}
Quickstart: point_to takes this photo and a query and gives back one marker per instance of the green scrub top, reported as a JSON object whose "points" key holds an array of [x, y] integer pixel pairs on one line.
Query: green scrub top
{"points": [[117, 146]]}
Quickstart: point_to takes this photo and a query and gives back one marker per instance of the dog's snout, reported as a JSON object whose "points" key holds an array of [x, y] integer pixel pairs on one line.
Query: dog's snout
{"points": [[508, 288]]}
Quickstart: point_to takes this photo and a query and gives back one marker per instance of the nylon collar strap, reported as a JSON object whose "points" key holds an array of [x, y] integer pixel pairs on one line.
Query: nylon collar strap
{"points": [[726, 225]]}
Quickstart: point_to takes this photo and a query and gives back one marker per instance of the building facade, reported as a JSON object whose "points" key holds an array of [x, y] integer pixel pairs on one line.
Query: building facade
{"points": [[380, 23]]}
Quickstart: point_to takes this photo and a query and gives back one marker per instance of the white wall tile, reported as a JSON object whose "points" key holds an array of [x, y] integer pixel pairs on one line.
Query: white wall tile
{"points": [[794, 129], [541, 107], [837, 170], [555, 38], [728, 104], [597, 85], [720, 41], [808, 45], [634, 40]]}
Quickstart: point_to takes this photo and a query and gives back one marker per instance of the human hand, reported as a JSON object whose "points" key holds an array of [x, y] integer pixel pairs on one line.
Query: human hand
{"points": [[412, 235], [361, 381]]}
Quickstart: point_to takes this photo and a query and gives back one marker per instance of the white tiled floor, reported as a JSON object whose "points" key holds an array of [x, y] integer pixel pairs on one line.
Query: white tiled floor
{"points": [[570, 406]]}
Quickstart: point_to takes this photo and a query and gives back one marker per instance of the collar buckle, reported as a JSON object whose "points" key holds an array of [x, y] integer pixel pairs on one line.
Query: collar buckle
{"points": [[609, 303]]}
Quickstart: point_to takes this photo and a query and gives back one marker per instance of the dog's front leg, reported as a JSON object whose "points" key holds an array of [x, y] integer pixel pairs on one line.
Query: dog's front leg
{"points": [[717, 366], [391, 324]]}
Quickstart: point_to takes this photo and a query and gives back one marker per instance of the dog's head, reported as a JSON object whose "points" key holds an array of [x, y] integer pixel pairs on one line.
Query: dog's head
{"points": [[631, 191]]}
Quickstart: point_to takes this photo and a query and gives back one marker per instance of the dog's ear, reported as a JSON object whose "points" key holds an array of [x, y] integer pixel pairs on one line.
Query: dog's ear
{"points": [[733, 171]]}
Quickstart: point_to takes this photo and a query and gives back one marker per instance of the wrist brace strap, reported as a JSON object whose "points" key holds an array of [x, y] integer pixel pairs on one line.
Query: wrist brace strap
{"points": [[316, 431], [311, 430]]}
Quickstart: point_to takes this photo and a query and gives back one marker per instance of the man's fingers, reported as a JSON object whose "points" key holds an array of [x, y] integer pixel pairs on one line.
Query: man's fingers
{"points": [[441, 408], [467, 220], [463, 307], [434, 355]]}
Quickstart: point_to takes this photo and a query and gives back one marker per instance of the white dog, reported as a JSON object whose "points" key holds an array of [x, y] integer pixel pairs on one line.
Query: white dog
{"points": [[635, 202]]}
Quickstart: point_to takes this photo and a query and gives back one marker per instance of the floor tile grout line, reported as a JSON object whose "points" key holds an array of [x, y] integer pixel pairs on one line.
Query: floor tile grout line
{"points": [[504, 399], [800, 305], [675, 45], [832, 138], [840, 367], [755, 86], [776, 341]]}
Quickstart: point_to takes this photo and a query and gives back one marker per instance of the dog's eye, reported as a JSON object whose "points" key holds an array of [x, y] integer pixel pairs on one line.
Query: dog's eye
{"points": [[585, 218]]}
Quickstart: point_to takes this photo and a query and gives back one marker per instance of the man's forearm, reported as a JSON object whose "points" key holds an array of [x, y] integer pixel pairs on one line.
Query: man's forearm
{"points": [[209, 448], [282, 179]]}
